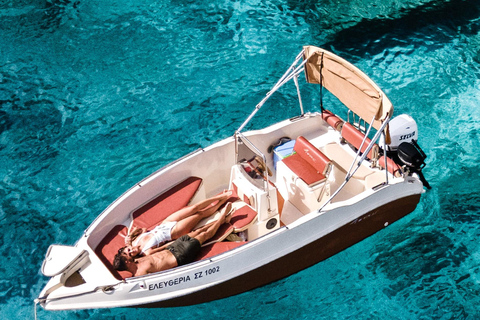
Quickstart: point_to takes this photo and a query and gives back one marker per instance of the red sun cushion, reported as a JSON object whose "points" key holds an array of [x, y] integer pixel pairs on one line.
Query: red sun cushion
{"points": [[109, 246], [154, 212], [242, 217], [148, 216]]}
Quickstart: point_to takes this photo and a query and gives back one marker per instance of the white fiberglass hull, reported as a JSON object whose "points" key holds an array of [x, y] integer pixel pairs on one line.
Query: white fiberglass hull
{"points": [[283, 253]]}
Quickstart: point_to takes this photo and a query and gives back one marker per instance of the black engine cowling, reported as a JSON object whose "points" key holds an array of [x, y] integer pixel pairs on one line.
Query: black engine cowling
{"points": [[412, 156]]}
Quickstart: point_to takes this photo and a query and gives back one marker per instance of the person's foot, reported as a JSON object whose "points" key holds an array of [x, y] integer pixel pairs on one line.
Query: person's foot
{"points": [[226, 194], [229, 215], [227, 212], [223, 198]]}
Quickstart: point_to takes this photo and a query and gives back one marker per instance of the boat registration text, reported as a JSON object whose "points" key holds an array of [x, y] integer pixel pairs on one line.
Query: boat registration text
{"points": [[187, 278]]}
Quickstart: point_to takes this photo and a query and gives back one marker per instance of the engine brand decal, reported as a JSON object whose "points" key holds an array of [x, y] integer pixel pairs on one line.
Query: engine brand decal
{"points": [[407, 136]]}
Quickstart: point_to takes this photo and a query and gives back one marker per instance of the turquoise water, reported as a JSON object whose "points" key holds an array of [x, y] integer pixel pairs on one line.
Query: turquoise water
{"points": [[95, 95]]}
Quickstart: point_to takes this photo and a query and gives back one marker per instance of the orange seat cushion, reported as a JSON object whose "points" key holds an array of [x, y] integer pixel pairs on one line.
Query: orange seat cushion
{"points": [[308, 163], [332, 119], [355, 138]]}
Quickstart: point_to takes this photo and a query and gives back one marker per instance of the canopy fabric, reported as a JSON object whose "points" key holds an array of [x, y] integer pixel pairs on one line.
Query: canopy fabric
{"points": [[348, 83]]}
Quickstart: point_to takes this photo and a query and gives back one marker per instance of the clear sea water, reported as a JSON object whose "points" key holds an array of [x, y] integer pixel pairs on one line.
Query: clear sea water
{"points": [[95, 95]]}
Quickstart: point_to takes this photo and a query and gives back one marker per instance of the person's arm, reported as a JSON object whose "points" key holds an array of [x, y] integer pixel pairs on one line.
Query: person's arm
{"points": [[155, 250], [133, 234], [140, 272]]}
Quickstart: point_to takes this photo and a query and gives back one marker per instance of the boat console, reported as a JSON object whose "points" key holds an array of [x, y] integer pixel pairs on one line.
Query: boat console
{"points": [[262, 200]]}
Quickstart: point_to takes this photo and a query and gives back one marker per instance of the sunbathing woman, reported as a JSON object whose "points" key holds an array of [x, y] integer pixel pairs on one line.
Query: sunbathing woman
{"points": [[139, 242]]}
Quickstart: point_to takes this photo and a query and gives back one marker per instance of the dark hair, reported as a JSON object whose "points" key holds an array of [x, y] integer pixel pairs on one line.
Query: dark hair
{"points": [[120, 261]]}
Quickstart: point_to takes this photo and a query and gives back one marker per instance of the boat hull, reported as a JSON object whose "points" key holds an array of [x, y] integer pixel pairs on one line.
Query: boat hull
{"points": [[306, 256]]}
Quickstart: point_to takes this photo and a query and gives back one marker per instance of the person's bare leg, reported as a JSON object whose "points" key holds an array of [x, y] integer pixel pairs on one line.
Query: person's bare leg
{"points": [[186, 225], [208, 231], [199, 207]]}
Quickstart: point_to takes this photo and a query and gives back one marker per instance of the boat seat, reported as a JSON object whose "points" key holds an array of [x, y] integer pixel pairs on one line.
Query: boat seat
{"points": [[243, 217], [223, 231], [308, 163], [154, 212], [174, 199], [302, 177], [148, 216], [354, 137], [342, 158], [109, 246]]}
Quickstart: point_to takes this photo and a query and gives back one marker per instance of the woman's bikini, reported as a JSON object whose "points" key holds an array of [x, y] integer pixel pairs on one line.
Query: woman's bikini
{"points": [[159, 235]]}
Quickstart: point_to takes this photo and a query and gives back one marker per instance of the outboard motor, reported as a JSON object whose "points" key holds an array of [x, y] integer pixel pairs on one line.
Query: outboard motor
{"points": [[412, 156], [403, 128], [404, 149]]}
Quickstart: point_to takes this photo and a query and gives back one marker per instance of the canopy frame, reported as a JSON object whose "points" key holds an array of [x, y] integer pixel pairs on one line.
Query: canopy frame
{"points": [[346, 82]]}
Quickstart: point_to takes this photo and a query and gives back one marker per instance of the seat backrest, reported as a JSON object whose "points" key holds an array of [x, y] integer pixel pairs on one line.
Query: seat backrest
{"points": [[311, 155], [355, 137]]}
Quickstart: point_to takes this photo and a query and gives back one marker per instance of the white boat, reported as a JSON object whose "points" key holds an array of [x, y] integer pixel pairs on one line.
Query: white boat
{"points": [[305, 188]]}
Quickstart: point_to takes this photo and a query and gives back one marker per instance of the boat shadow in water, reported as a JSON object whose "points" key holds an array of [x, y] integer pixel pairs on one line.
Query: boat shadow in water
{"points": [[373, 36]]}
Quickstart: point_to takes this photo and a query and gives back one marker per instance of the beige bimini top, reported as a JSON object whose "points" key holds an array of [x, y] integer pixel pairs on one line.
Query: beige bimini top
{"points": [[348, 83]]}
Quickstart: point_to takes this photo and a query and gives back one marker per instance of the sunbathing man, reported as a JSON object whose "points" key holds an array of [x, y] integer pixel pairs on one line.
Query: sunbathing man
{"points": [[182, 251], [139, 242]]}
